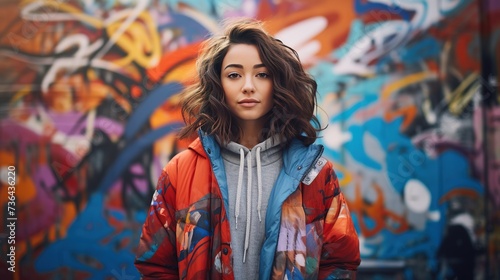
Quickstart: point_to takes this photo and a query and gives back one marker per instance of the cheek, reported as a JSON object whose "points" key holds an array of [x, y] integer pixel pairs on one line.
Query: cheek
{"points": [[224, 87], [226, 94], [229, 90]]}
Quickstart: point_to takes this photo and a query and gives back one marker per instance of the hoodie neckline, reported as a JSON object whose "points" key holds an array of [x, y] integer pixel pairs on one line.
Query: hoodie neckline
{"points": [[269, 150]]}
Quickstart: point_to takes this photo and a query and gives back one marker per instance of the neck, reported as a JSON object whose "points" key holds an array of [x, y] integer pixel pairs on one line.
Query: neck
{"points": [[250, 135]]}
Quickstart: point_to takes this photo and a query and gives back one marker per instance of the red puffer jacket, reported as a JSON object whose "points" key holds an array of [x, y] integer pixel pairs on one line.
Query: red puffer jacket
{"points": [[309, 231]]}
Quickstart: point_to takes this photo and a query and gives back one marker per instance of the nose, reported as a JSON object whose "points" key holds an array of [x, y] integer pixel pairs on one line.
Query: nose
{"points": [[248, 86]]}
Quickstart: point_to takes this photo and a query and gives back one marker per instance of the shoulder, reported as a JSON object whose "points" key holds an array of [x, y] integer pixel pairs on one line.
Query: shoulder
{"points": [[321, 168], [322, 176], [186, 158]]}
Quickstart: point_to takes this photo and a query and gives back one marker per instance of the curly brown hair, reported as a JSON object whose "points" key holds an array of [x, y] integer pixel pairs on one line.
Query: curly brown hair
{"points": [[294, 90]]}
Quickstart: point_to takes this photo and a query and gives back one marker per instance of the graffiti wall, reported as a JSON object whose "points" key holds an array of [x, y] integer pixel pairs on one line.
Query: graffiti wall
{"points": [[89, 110]]}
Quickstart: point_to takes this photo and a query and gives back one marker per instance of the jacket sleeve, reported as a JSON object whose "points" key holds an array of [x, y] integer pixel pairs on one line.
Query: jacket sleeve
{"points": [[340, 255], [156, 254]]}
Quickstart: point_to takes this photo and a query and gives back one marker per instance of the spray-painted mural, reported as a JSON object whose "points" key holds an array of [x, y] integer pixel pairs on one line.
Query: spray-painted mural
{"points": [[89, 113]]}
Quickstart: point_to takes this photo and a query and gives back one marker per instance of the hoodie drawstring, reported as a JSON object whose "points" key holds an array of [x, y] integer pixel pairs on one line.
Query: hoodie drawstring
{"points": [[249, 202], [249, 193], [259, 181], [238, 188]]}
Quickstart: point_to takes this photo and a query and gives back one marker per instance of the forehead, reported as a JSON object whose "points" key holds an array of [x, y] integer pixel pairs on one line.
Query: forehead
{"points": [[242, 54]]}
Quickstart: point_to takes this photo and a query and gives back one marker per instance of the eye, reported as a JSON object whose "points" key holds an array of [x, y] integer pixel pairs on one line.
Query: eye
{"points": [[233, 75], [263, 75]]}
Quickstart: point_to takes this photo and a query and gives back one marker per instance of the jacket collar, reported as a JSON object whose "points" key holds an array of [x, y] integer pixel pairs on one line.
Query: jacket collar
{"points": [[205, 145], [297, 158]]}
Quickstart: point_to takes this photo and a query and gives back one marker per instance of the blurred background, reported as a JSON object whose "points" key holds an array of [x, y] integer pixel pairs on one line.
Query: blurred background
{"points": [[89, 109]]}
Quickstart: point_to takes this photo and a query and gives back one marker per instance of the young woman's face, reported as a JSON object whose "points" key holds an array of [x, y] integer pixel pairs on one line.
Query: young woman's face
{"points": [[247, 84]]}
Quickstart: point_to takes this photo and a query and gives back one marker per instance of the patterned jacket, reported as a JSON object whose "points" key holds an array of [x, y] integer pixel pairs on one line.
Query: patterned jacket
{"points": [[309, 231]]}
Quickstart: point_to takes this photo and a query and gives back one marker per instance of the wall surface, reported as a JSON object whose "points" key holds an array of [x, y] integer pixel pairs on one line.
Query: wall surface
{"points": [[88, 111]]}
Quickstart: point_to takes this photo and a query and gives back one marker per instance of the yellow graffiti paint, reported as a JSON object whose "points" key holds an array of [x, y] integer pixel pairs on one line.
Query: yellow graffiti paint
{"points": [[406, 81], [463, 94], [140, 42]]}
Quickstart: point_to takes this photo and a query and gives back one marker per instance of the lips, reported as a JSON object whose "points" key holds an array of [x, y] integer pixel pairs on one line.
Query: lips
{"points": [[248, 102]]}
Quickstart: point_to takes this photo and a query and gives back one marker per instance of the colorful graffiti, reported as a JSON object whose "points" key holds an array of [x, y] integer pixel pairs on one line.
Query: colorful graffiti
{"points": [[89, 112]]}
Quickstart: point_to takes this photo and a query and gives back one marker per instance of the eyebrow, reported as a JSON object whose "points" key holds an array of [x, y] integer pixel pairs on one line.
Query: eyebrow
{"points": [[241, 66]]}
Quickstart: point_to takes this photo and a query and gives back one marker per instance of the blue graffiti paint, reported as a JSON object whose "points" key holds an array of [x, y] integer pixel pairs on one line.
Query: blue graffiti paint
{"points": [[357, 31], [415, 53], [210, 7], [327, 82], [455, 7], [143, 112], [357, 149], [363, 7], [368, 87], [131, 151], [445, 173], [91, 245], [135, 123], [191, 30], [204, 7], [349, 112]]}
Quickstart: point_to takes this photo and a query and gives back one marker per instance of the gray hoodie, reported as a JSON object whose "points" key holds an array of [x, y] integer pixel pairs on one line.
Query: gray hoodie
{"points": [[249, 189]]}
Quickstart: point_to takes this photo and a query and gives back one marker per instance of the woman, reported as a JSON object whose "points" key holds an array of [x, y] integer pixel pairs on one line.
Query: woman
{"points": [[251, 197]]}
